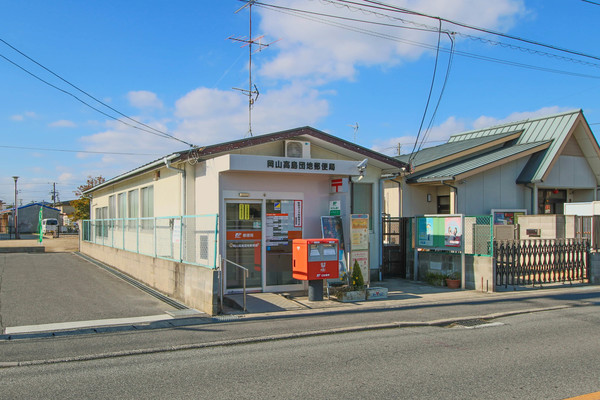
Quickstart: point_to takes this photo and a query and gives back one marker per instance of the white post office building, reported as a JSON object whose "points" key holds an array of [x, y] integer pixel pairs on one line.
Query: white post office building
{"points": [[170, 223]]}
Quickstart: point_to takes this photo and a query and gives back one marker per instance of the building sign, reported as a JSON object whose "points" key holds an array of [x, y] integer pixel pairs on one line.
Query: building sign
{"points": [[338, 185], [246, 162], [335, 208], [297, 213], [301, 165], [244, 235]]}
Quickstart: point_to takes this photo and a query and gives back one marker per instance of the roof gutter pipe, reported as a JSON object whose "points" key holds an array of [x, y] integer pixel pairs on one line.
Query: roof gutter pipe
{"points": [[455, 208], [183, 176], [534, 199]]}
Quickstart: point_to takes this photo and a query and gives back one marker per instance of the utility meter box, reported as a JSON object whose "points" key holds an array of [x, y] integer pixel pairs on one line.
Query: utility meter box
{"points": [[315, 259]]}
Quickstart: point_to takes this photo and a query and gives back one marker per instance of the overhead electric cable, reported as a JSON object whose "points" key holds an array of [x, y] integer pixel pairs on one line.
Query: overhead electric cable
{"points": [[80, 151], [430, 92], [157, 132], [448, 69], [393, 8], [299, 14]]}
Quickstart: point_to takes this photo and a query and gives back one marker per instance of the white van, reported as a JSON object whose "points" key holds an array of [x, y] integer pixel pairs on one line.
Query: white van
{"points": [[50, 225]]}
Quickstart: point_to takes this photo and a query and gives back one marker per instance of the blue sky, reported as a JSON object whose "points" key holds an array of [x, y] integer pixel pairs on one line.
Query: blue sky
{"points": [[170, 65]]}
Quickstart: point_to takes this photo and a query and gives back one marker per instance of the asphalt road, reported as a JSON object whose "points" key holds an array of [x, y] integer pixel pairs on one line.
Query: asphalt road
{"points": [[545, 355]]}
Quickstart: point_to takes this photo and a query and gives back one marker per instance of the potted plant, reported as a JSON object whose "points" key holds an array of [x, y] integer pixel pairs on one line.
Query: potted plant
{"points": [[355, 291], [453, 280]]}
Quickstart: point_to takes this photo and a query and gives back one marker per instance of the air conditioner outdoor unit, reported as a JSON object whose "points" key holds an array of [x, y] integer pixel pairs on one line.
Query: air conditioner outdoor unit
{"points": [[297, 149]]}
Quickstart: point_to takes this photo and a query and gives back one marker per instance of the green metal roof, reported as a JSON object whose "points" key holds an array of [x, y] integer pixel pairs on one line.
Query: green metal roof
{"points": [[449, 172], [430, 154], [554, 128]]}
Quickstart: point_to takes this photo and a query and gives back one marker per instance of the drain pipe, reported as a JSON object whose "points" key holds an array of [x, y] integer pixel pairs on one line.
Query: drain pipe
{"points": [[183, 191], [534, 200]]}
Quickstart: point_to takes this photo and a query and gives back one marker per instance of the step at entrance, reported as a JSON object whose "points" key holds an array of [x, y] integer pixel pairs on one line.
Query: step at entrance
{"points": [[262, 302]]}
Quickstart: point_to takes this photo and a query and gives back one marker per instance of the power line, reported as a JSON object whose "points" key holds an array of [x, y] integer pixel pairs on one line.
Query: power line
{"points": [[149, 129], [392, 8], [80, 151], [299, 14]]}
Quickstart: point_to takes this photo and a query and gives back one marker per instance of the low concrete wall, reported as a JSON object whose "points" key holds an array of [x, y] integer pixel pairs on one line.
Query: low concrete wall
{"points": [[479, 271], [195, 286]]}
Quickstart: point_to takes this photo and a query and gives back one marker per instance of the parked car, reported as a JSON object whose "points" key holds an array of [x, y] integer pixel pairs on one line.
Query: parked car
{"points": [[50, 225]]}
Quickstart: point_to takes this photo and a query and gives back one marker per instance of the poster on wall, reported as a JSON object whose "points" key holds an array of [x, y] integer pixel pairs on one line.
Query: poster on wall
{"points": [[331, 227], [426, 232], [362, 257], [507, 217], [359, 231], [453, 232]]}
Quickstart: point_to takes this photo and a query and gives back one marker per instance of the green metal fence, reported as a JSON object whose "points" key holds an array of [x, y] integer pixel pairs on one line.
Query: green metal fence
{"points": [[190, 239]]}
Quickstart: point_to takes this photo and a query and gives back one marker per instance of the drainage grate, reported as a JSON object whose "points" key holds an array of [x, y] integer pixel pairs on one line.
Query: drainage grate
{"points": [[468, 323]]}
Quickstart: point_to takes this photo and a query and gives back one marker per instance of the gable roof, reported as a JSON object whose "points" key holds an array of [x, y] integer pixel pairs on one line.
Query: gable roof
{"points": [[543, 138], [10, 210], [316, 137], [464, 168]]}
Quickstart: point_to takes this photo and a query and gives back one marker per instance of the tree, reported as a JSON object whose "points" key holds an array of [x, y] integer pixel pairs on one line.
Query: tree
{"points": [[82, 204]]}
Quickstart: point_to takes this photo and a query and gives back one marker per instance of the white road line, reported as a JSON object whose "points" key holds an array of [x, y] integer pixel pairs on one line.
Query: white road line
{"points": [[60, 326]]}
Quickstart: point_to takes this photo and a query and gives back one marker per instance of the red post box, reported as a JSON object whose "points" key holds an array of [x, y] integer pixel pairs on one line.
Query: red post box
{"points": [[315, 259]]}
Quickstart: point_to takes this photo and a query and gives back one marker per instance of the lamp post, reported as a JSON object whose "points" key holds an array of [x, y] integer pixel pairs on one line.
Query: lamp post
{"points": [[15, 217]]}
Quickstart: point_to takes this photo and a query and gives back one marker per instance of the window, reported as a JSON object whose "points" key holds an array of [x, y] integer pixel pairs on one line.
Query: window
{"points": [[362, 200], [147, 206], [132, 206], [112, 207], [122, 205], [443, 205]]}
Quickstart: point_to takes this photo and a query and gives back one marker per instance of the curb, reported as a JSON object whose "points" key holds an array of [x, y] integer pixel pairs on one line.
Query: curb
{"points": [[261, 339]]}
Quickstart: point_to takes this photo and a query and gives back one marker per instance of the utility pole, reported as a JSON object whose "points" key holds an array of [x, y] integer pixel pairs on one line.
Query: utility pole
{"points": [[15, 216], [252, 91], [54, 195]]}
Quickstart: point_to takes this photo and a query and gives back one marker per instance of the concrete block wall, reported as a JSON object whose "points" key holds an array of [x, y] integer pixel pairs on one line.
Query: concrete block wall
{"points": [[195, 286], [479, 271]]}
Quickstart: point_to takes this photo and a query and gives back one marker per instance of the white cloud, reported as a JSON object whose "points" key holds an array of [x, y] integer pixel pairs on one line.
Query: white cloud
{"points": [[441, 133], [436, 136], [24, 116], [62, 123], [143, 99], [209, 116], [486, 121], [320, 51]]}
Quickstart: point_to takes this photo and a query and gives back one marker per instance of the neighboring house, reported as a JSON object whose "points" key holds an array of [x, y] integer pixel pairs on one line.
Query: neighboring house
{"points": [[27, 218], [66, 211], [264, 191], [535, 165]]}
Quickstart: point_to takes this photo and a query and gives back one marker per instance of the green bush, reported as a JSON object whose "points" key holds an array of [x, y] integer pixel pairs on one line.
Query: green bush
{"points": [[435, 278], [357, 281]]}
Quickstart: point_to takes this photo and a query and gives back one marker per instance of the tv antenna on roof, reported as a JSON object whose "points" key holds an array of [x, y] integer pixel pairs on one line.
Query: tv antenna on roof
{"points": [[355, 127], [252, 91]]}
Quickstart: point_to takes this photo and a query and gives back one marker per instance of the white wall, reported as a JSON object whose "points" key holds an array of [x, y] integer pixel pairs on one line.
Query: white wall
{"points": [[571, 172]]}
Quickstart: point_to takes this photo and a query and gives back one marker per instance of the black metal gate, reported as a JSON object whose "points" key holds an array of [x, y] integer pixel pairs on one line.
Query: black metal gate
{"points": [[531, 262], [395, 244]]}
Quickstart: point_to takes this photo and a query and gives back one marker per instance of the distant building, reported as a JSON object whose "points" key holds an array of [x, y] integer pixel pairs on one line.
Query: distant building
{"points": [[27, 218]]}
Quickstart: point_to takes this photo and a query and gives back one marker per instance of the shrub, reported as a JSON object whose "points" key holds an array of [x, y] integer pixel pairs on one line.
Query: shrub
{"points": [[356, 280]]}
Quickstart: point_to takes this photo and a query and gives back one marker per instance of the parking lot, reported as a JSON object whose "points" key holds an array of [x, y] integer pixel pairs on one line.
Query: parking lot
{"points": [[60, 286]]}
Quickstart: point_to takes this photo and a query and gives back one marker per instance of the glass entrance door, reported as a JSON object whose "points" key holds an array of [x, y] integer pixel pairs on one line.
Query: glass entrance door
{"points": [[244, 243], [282, 227]]}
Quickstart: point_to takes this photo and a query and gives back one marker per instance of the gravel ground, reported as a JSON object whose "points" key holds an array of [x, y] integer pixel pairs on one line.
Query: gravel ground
{"points": [[65, 243]]}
